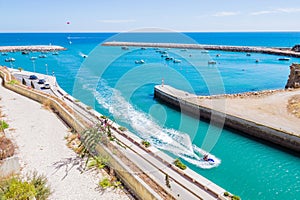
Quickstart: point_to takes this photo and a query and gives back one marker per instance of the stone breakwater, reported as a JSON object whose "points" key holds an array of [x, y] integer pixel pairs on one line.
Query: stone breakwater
{"points": [[294, 77], [32, 48], [274, 51]]}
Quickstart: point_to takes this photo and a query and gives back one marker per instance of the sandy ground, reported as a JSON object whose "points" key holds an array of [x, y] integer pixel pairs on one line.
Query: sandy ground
{"points": [[39, 136], [271, 110]]}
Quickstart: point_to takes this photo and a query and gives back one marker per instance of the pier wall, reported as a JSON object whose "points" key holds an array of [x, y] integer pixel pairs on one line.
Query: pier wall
{"points": [[258, 130]]}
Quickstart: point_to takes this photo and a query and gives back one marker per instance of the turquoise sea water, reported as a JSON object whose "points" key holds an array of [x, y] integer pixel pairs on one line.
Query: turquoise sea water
{"points": [[249, 168]]}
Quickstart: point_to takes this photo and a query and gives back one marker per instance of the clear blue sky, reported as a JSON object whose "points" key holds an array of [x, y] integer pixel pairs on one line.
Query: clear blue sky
{"points": [[127, 15]]}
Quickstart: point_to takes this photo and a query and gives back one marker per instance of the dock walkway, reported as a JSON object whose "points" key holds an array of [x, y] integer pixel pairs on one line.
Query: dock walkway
{"points": [[266, 50]]}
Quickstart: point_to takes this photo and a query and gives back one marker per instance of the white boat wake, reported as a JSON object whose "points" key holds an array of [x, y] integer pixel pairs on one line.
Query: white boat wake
{"points": [[171, 140]]}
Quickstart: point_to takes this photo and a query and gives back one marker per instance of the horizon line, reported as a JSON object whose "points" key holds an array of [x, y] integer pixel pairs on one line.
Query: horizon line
{"points": [[208, 31]]}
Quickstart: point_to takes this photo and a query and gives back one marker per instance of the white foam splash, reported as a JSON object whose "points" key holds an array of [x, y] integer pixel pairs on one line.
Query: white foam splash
{"points": [[171, 140]]}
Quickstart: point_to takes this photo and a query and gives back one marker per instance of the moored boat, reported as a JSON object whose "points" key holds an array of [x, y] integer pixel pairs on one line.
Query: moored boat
{"points": [[10, 60], [139, 62], [284, 59]]}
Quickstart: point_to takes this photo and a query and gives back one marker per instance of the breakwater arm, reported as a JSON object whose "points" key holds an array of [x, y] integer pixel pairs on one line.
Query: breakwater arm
{"points": [[267, 121], [266, 50], [32, 48]]}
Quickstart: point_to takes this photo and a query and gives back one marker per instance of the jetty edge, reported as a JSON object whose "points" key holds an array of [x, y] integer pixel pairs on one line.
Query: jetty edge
{"points": [[282, 51], [196, 186], [187, 103], [32, 48]]}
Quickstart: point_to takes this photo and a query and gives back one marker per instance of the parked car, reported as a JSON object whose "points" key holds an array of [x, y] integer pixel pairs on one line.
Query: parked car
{"points": [[41, 81], [46, 85], [33, 77]]}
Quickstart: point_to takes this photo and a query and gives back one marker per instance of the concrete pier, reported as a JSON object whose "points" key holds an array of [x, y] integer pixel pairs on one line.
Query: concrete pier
{"points": [[32, 48], [258, 127], [266, 50]]}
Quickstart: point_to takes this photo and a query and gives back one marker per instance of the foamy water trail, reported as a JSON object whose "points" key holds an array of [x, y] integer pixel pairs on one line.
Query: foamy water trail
{"points": [[171, 140]]}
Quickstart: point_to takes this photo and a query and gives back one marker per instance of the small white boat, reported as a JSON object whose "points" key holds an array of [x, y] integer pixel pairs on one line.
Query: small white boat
{"points": [[124, 48], [25, 52], [204, 51], [284, 59], [218, 55], [33, 58], [248, 54], [176, 61], [183, 50], [164, 55], [143, 48], [10, 60], [55, 53], [212, 62], [42, 56], [139, 62], [257, 61], [4, 53]]}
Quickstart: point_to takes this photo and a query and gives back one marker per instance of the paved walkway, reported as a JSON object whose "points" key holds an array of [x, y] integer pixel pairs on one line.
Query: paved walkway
{"points": [[39, 136]]}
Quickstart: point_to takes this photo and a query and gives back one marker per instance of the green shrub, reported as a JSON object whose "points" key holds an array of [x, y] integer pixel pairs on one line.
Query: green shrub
{"points": [[89, 108], [117, 184], [179, 164], [226, 194], [105, 183], [98, 162], [34, 186], [15, 188], [40, 184], [20, 69], [121, 128], [234, 197], [77, 100], [13, 82], [3, 125], [146, 143]]}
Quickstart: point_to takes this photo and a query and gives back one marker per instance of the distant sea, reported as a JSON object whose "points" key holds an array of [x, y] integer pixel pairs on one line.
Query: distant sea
{"points": [[249, 168]]}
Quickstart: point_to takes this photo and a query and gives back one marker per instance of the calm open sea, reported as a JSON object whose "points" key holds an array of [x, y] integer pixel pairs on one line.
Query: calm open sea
{"points": [[123, 90]]}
